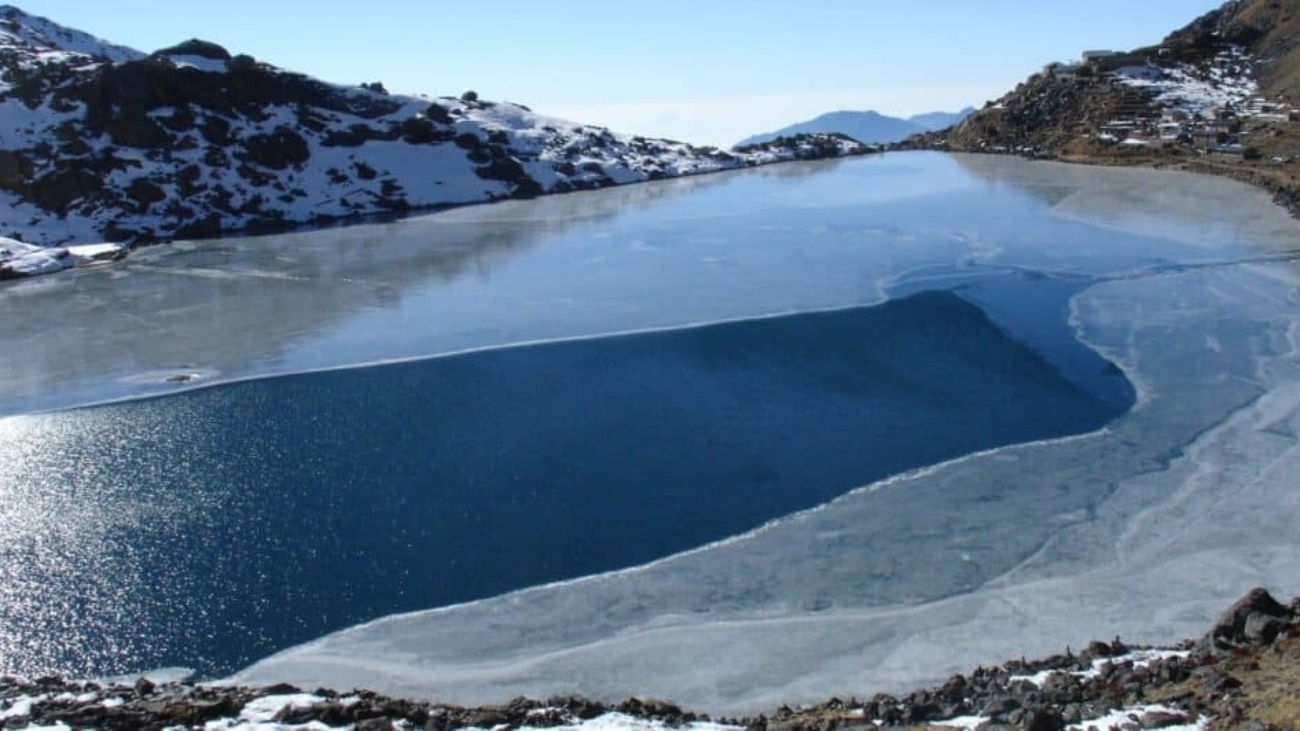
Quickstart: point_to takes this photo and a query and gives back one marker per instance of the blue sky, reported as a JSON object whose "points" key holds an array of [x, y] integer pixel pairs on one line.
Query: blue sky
{"points": [[699, 70]]}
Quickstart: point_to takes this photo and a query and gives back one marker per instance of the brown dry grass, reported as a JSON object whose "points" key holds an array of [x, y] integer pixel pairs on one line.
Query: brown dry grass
{"points": [[1280, 19], [1269, 693], [1271, 685]]}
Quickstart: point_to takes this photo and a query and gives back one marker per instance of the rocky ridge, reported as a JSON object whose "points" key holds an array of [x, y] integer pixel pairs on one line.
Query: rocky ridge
{"points": [[104, 143], [1243, 673], [1219, 96]]}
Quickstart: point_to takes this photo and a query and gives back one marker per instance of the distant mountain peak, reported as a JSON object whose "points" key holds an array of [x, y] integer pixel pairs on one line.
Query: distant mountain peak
{"points": [[868, 127], [935, 121]]}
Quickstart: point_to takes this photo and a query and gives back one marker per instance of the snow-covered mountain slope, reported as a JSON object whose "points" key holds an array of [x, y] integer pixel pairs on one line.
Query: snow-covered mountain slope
{"points": [[49, 39], [98, 142]]}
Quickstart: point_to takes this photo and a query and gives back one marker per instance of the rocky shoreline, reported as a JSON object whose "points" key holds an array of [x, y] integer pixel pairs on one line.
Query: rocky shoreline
{"points": [[1214, 97], [1244, 673], [1280, 183]]}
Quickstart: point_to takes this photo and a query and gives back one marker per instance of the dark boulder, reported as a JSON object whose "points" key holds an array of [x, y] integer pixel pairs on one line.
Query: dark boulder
{"points": [[15, 170], [145, 191], [215, 130], [58, 189], [364, 171], [1043, 720], [1163, 719], [180, 120], [420, 131], [468, 141], [438, 113], [1255, 619], [138, 131], [278, 150]]}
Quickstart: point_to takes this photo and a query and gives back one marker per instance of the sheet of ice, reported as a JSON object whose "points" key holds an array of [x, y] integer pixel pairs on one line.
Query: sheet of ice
{"points": [[1147, 529], [795, 237]]}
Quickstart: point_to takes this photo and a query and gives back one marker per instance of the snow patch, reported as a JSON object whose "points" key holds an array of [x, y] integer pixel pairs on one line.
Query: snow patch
{"points": [[21, 706], [966, 723], [1224, 82], [1129, 717], [201, 63], [1139, 659]]}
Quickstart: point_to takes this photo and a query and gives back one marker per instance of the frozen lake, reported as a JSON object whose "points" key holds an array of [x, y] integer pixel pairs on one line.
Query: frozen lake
{"points": [[1059, 278]]}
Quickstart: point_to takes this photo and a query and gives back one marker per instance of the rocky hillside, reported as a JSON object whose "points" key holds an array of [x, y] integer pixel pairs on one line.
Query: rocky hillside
{"points": [[1221, 95], [1217, 73], [1243, 673], [1268, 29], [101, 142]]}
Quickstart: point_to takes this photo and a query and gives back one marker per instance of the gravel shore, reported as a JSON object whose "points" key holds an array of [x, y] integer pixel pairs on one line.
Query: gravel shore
{"points": [[1243, 673]]}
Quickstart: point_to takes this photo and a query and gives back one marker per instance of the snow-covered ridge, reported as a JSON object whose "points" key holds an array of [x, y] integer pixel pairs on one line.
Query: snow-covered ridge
{"points": [[98, 142], [18, 29]]}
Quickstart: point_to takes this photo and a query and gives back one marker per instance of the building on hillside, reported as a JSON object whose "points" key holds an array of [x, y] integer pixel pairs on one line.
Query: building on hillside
{"points": [[1170, 131], [1062, 70], [1208, 139]]}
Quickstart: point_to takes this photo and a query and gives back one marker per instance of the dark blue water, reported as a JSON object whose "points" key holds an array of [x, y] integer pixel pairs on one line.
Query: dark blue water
{"points": [[1034, 309], [211, 528]]}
